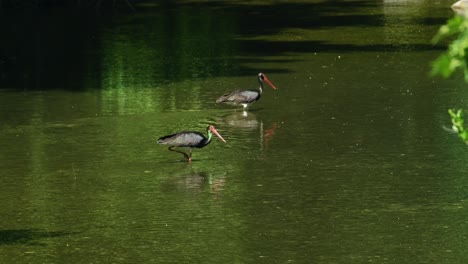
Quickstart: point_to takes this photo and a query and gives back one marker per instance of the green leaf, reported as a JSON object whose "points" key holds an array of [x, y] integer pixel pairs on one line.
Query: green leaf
{"points": [[453, 26], [441, 66]]}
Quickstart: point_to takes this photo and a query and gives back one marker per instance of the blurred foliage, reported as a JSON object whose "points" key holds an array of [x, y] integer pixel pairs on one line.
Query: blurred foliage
{"points": [[455, 56], [453, 59]]}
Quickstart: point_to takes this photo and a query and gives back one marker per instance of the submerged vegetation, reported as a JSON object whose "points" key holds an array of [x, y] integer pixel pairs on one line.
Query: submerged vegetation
{"points": [[457, 124]]}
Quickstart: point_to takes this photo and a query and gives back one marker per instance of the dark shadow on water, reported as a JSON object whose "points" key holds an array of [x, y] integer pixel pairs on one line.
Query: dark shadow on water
{"points": [[27, 236], [281, 47], [272, 18], [70, 50]]}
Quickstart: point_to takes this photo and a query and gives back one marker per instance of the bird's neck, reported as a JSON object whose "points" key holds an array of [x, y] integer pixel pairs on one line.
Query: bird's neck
{"points": [[208, 140], [260, 87]]}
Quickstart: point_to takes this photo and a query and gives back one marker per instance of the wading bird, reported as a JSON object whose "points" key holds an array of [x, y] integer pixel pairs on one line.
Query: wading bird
{"points": [[189, 139], [245, 97]]}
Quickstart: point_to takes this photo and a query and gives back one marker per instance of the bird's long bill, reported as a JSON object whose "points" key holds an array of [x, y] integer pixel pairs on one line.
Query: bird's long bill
{"points": [[217, 134], [268, 82]]}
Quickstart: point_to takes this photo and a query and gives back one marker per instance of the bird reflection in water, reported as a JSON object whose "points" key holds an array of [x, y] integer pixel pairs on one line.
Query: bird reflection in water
{"points": [[196, 181], [192, 181], [269, 133], [242, 120], [247, 121]]}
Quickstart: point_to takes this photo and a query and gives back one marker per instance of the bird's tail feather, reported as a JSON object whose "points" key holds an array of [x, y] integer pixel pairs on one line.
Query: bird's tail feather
{"points": [[163, 140], [221, 99]]}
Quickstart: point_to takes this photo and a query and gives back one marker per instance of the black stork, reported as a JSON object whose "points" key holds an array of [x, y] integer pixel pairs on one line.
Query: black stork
{"points": [[245, 97], [189, 139]]}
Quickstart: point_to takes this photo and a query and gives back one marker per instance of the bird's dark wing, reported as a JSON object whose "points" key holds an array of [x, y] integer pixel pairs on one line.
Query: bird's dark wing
{"points": [[238, 96], [182, 139]]}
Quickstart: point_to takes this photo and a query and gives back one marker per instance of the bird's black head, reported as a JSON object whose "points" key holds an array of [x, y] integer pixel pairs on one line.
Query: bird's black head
{"points": [[212, 130], [261, 77]]}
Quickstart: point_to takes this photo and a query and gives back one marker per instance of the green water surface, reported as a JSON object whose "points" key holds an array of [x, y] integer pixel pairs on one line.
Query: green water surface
{"points": [[347, 162]]}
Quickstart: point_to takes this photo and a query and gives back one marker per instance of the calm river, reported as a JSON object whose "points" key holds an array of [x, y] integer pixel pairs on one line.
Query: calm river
{"points": [[347, 162]]}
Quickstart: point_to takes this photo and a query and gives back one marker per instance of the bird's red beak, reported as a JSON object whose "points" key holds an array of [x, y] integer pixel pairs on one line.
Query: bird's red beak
{"points": [[268, 82], [216, 133]]}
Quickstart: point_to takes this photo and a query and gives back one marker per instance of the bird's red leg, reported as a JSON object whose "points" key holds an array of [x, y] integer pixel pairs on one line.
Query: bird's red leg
{"points": [[190, 156], [181, 152]]}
